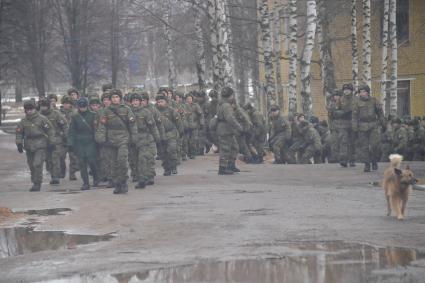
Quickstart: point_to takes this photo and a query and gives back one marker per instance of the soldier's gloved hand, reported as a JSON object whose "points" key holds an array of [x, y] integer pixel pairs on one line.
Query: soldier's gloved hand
{"points": [[20, 148], [51, 147]]}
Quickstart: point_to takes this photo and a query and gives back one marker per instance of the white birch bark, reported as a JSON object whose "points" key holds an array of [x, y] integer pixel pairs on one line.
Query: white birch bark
{"points": [[307, 104], [267, 44], [212, 17], [394, 53], [293, 55], [225, 39], [277, 47], [384, 58], [170, 57], [354, 46], [200, 50], [367, 51]]}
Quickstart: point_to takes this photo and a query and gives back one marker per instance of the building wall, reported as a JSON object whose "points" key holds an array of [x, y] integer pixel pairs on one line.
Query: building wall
{"points": [[411, 57]]}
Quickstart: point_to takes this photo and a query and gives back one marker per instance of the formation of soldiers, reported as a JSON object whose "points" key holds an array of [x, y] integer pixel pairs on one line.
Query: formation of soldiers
{"points": [[107, 136]]}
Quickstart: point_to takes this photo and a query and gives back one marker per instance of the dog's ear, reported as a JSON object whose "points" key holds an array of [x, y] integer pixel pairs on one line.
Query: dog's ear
{"points": [[397, 171], [407, 167]]}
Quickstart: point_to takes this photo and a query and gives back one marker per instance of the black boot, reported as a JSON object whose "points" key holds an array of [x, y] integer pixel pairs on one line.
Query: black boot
{"points": [[124, 188], [224, 171], [117, 189], [141, 185], [174, 171], [85, 187], [150, 182], [35, 188], [135, 179], [374, 166], [54, 182], [366, 167], [232, 166], [343, 164], [95, 183], [167, 172], [72, 177], [110, 185]]}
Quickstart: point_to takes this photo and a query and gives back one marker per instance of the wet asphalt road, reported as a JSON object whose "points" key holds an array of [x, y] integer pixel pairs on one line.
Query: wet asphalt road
{"points": [[316, 223]]}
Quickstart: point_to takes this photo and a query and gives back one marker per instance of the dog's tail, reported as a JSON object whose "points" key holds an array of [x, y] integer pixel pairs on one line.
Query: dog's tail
{"points": [[395, 160]]}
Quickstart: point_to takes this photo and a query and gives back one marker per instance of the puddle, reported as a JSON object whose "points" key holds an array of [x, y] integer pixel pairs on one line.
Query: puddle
{"points": [[325, 262], [19, 241], [48, 212]]}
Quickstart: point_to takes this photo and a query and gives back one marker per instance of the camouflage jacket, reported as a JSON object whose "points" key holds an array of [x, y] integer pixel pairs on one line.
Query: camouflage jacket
{"points": [[367, 114], [227, 122], [60, 125], [147, 132], [35, 132]]}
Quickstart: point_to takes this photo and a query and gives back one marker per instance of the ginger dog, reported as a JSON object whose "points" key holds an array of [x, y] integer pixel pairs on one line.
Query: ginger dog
{"points": [[397, 184]]}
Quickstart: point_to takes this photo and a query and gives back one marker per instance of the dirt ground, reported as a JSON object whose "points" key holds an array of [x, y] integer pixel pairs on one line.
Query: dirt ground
{"points": [[198, 216]]}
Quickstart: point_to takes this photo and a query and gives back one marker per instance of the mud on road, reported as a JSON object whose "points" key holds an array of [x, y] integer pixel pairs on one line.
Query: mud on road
{"points": [[269, 223]]}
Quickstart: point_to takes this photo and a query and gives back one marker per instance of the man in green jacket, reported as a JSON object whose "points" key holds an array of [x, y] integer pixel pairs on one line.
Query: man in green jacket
{"points": [[81, 141], [36, 135]]}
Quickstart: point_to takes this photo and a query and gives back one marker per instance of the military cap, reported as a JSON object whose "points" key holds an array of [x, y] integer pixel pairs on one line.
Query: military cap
{"points": [[314, 120], [106, 94], [73, 90], [106, 87], [396, 121], [29, 104], [162, 89], [226, 92], [274, 108], [94, 100], [135, 95], [44, 102], [52, 96], [213, 93], [115, 92], [179, 93], [82, 102], [160, 96], [365, 88], [348, 86], [144, 95], [66, 99]]}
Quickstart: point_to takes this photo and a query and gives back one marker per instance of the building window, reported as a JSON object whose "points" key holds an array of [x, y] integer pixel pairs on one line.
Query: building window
{"points": [[403, 98], [402, 21]]}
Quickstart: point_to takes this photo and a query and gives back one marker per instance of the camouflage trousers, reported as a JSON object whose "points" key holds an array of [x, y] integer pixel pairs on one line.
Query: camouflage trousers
{"points": [[280, 146], [35, 162], [368, 146], [257, 142], [343, 149], [105, 162], [243, 147], [146, 162], [53, 161], [308, 153], [203, 142], [119, 155], [192, 142], [133, 153], [228, 149], [169, 154], [73, 162]]}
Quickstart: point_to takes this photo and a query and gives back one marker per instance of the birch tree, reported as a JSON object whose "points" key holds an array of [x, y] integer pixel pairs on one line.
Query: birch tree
{"points": [[267, 45], [384, 58], [354, 46], [200, 50], [394, 52], [212, 19], [224, 39], [307, 104], [277, 47], [293, 56], [170, 56], [367, 51]]}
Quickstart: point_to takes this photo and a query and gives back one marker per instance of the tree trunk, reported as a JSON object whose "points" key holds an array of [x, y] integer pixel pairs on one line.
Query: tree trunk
{"points": [[114, 43], [267, 45], [325, 44], [384, 59], [277, 48], [200, 50], [307, 104], [225, 40], [212, 17], [394, 52], [367, 51], [293, 55], [354, 46], [170, 56]]}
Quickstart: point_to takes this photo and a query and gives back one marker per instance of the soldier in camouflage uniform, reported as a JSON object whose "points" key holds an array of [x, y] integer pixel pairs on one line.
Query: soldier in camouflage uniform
{"points": [[53, 98], [367, 116], [410, 151], [295, 149], [341, 114], [227, 129], [60, 126], [173, 127], [68, 110], [399, 141], [181, 109], [279, 136], [35, 134], [117, 128], [195, 121], [311, 144], [146, 139], [74, 95], [325, 136], [243, 137], [386, 140], [259, 132], [158, 121], [419, 140]]}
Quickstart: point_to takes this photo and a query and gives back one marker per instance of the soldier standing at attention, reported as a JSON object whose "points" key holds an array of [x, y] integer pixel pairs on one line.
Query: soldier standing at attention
{"points": [[60, 126], [35, 134], [81, 141], [173, 127], [117, 128], [68, 110], [366, 119], [227, 129]]}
